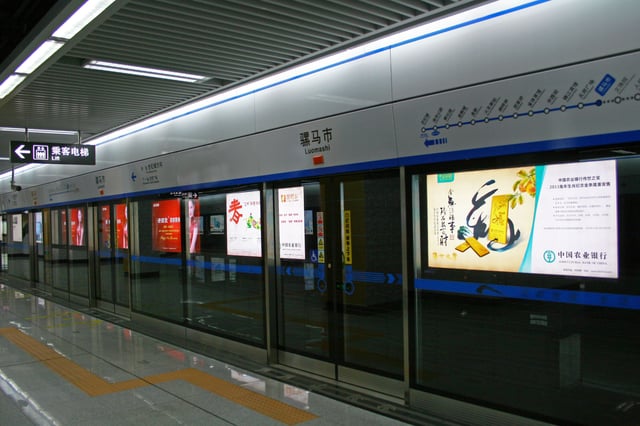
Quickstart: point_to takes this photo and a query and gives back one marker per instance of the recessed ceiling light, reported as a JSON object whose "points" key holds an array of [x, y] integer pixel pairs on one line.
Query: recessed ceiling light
{"points": [[10, 83], [81, 18], [142, 71], [40, 131], [74, 24], [39, 56]]}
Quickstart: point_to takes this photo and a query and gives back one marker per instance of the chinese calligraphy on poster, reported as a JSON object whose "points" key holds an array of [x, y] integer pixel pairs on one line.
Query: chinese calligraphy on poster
{"points": [[556, 219], [244, 229], [166, 226]]}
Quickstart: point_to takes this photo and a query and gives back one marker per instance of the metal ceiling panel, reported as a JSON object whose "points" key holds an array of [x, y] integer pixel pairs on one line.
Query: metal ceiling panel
{"points": [[228, 41]]}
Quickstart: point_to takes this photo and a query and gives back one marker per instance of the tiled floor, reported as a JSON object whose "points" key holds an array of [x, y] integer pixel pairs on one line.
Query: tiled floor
{"points": [[63, 367]]}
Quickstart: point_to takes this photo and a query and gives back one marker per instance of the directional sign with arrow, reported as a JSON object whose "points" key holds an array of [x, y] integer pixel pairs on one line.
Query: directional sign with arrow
{"points": [[52, 153], [20, 151]]}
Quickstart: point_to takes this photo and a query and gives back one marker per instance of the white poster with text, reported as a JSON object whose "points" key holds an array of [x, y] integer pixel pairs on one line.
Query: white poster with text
{"points": [[244, 229], [291, 222]]}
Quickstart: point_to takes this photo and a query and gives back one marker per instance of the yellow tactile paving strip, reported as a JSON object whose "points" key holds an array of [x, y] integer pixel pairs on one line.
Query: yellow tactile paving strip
{"points": [[93, 385]]}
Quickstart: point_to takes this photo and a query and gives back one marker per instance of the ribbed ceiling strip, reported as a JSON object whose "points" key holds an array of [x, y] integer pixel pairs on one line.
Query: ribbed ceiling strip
{"points": [[241, 37], [295, 10], [216, 26], [261, 25], [419, 7], [140, 37], [371, 14], [301, 28], [406, 11]]}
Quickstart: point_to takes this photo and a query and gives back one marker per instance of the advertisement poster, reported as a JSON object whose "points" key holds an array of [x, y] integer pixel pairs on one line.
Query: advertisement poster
{"points": [[558, 219], [217, 269], [122, 226], [39, 228], [244, 229], [291, 222], [16, 227], [63, 221], [216, 224], [105, 228], [576, 223], [195, 225], [77, 227], [308, 222], [166, 226]]}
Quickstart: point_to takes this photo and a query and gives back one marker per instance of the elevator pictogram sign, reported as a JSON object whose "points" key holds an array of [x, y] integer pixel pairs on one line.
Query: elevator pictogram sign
{"points": [[52, 153]]}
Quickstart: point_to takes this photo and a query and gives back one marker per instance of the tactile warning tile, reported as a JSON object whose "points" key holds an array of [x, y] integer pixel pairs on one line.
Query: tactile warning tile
{"points": [[269, 407], [95, 386], [85, 380]]}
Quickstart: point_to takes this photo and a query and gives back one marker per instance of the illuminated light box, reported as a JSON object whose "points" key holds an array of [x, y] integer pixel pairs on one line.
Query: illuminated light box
{"points": [[167, 232], [556, 219], [243, 223]]}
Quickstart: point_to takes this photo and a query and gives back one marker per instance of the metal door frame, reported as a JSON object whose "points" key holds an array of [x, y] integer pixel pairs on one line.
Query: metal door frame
{"points": [[329, 369]]}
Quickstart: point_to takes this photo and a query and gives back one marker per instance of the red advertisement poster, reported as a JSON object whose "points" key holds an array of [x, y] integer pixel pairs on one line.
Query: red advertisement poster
{"points": [[105, 218], [78, 227], [193, 213], [122, 226], [63, 227], [166, 226]]}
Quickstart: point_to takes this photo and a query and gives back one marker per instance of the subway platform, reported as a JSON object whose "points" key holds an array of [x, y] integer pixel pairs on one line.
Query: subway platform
{"points": [[61, 366]]}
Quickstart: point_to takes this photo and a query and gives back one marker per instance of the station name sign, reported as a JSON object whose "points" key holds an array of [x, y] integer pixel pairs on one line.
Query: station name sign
{"points": [[52, 153]]}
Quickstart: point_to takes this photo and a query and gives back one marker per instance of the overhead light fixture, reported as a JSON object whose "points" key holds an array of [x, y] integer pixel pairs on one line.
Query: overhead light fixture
{"points": [[142, 71], [10, 83], [21, 170], [40, 131], [39, 56], [81, 18], [74, 24]]}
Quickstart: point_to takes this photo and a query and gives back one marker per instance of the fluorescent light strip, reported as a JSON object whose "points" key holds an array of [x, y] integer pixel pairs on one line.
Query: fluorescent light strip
{"points": [[81, 18], [142, 71], [76, 22], [41, 131], [53, 132], [10, 83], [145, 69], [23, 169], [39, 56]]}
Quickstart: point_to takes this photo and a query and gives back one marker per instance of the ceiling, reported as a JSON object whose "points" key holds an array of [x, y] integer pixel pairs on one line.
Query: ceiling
{"points": [[229, 41]]}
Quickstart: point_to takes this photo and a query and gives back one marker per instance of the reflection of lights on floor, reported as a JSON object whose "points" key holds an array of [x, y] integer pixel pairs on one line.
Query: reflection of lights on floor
{"points": [[296, 394], [96, 386], [28, 406], [248, 380]]}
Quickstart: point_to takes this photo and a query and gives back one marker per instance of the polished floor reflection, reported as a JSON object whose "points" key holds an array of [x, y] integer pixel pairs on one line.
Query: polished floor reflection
{"points": [[64, 367]]}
